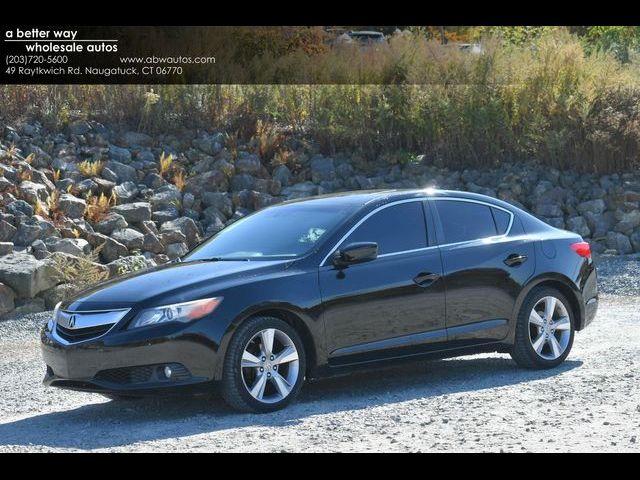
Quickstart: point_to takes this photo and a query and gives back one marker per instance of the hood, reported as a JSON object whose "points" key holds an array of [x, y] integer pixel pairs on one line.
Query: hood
{"points": [[171, 283]]}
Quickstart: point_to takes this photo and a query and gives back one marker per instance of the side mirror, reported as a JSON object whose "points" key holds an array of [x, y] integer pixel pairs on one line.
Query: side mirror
{"points": [[356, 253]]}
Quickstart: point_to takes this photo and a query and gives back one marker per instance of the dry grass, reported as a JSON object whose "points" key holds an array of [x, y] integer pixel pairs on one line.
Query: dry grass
{"points": [[56, 175], [285, 157], [25, 175], [269, 139], [99, 206], [82, 271], [90, 169], [179, 179], [166, 162]]}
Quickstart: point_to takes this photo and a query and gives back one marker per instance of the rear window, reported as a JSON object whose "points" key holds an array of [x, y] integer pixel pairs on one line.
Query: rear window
{"points": [[464, 221], [502, 219]]}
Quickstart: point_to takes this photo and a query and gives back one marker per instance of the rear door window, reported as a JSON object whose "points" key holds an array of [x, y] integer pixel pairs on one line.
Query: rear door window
{"points": [[464, 221]]}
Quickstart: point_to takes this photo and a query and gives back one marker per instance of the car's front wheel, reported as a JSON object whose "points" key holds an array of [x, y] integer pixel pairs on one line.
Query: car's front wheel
{"points": [[544, 331], [264, 366]]}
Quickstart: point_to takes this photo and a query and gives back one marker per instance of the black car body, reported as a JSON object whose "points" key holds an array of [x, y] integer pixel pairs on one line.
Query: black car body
{"points": [[400, 274]]}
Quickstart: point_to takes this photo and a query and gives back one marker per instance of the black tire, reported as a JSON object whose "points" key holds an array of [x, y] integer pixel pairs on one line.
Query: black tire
{"points": [[522, 351], [233, 388]]}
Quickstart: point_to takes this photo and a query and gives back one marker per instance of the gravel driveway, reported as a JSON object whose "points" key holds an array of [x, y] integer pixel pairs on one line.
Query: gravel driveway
{"points": [[477, 403]]}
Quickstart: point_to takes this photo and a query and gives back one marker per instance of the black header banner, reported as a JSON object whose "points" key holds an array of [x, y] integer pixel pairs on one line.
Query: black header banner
{"points": [[40, 54]]}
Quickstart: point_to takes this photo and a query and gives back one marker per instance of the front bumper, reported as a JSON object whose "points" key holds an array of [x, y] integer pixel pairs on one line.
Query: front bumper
{"points": [[132, 361]]}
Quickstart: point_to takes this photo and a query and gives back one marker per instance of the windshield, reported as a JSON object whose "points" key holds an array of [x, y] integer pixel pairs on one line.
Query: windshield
{"points": [[280, 232]]}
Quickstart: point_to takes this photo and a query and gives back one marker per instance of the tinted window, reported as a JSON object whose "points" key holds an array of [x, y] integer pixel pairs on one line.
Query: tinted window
{"points": [[502, 219], [283, 231], [462, 221], [395, 229]]}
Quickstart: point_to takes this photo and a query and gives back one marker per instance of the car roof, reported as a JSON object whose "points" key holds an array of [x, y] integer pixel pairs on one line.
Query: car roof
{"points": [[361, 198]]}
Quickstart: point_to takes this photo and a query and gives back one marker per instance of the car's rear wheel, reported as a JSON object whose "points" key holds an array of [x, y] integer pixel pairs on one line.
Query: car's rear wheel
{"points": [[264, 366], [544, 331]]}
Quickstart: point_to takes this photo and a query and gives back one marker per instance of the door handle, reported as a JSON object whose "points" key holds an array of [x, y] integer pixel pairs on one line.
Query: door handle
{"points": [[424, 279], [515, 259]]}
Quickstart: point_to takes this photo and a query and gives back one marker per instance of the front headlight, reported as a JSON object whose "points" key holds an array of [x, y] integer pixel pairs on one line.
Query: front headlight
{"points": [[54, 317], [178, 312]]}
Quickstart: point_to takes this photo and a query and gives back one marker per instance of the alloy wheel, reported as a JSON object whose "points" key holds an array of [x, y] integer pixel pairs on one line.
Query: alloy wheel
{"points": [[549, 328], [270, 365]]}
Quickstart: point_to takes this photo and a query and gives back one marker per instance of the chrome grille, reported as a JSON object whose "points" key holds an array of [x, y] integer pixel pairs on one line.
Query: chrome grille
{"points": [[74, 327]]}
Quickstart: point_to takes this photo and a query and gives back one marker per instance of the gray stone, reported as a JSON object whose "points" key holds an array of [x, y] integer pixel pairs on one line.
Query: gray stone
{"points": [[26, 275], [134, 212], [249, 164], [79, 127], [283, 175], [130, 238], [124, 265], [109, 175], [548, 210], [7, 299], [188, 200], [6, 248], [166, 215], [72, 246], [172, 236], [211, 181], [57, 294], [619, 242], [242, 181], [86, 186], [149, 227], [32, 192], [126, 191], [322, 168], [635, 240], [39, 245], [152, 243], [112, 221], [160, 259], [119, 154], [72, 206], [165, 197], [175, 250], [600, 224], [7, 231], [344, 171], [19, 207], [27, 233], [123, 173], [578, 225], [596, 206], [26, 306], [130, 139], [210, 144], [220, 201], [154, 180], [557, 222], [628, 222], [300, 190], [112, 250], [214, 221], [103, 186], [185, 225]]}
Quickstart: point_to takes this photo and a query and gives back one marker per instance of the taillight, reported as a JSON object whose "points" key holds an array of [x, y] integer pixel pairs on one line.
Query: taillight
{"points": [[582, 248]]}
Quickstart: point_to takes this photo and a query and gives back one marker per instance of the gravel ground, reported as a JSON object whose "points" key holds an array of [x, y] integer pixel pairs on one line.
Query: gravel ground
{"points": [[476, 403]]}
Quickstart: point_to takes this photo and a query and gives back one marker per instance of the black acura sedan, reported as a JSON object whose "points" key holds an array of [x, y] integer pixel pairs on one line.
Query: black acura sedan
{"points": [[313, 287]]}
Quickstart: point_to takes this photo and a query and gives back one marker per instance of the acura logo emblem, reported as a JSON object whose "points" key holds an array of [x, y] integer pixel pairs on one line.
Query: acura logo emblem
{"points": [[72, 321]]}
